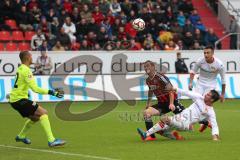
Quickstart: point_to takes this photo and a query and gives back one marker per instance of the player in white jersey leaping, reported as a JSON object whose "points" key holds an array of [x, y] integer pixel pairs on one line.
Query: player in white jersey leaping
{"points": [[209, 67], [201, 109]]}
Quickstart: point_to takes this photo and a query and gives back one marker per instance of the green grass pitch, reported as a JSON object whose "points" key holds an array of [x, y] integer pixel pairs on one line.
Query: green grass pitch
{"points": [[114, 136]]}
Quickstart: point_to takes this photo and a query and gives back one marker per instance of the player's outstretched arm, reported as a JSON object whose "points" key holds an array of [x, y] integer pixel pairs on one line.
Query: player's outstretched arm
{"points": [[193, 95], [35, 88], [213, 121]]}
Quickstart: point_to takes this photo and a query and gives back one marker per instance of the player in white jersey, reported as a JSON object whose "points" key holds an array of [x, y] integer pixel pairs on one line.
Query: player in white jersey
{"points": [[200, 109], [209, 67]]}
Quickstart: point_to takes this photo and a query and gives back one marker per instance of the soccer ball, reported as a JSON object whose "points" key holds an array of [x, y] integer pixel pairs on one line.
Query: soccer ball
{"points": [[138, 24]]}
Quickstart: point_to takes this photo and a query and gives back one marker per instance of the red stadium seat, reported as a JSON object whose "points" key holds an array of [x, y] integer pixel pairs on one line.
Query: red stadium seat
{"points": [[11, 23], [5, 36], [28, 35], [23, 46], [10, 46], [1, 47], [17, 36]]}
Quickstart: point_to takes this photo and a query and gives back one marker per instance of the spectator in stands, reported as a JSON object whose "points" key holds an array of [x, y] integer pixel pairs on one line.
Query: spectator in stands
{"points": [[51, 15], [233, 29], [43, 64], [122, 35], [134, 46], [97, 15], [102, 36], [91, 39], [45, 26], [196, 46], [70, 29], [85, 45], [115, 28], [106, 24], [104, 6], [169, 14], [7, 9], [123, 18], [148, 42], [181, 19], [171, 45], [200, 26], [186, 6], [58, 47], [180, 65], [32, 4], [75, 46], [198, 36], [145, 15], [159, 14], [176, 28], [45, 46], [36, 14], [165, 36], [97, 47], [181, 45], [132, 15], [115, 7], [130, 30], [86, 13], [188, 27], [175, 6], [126, 7], [55, 26], [211, 38], [67, 6], [108, 47], [57, 7], [64, 39], [37, 39], [75, 16], [194, 17], [82, 29], [188, 40], [118, 46], [24, 19], [153, 28], [92, 26]]}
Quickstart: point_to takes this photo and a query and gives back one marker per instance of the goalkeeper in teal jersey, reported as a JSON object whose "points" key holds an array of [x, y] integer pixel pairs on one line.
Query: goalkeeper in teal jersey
{"points": [[30, 109]]}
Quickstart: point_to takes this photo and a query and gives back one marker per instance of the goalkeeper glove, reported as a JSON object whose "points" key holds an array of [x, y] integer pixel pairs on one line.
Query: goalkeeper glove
{"points": [[56, 92]]}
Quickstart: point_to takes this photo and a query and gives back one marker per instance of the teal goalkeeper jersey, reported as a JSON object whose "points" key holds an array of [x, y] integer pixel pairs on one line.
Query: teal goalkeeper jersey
{"points": [[23, 82]]}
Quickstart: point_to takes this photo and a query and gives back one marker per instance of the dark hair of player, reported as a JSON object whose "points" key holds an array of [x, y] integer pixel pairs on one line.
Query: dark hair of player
{"points": [[215, 95], [151, 62], [23, 55], [209, 47]]}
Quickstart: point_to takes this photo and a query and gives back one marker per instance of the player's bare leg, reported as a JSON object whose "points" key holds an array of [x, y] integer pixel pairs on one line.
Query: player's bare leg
{"points": [[148, 113]]}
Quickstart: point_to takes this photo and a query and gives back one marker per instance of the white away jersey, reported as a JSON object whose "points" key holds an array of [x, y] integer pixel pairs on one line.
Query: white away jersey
{"points": [[199, 111], [208, 72]]}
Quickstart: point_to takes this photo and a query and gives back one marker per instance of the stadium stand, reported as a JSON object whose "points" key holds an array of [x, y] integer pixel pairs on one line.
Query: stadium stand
{"points": [[93, 25], [17, 36], [24, 46], [11, 46], [1, 46]]}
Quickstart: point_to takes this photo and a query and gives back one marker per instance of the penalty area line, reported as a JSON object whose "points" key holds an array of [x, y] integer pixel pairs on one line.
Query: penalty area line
{"points": [[57, 152]]}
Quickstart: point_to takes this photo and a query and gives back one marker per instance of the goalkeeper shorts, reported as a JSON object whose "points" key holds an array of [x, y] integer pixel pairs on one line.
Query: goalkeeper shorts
{"points": [[25, 107]]}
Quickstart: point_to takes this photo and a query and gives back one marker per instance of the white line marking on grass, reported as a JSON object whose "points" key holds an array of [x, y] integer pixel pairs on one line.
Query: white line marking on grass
{"points": [[57, 152]]}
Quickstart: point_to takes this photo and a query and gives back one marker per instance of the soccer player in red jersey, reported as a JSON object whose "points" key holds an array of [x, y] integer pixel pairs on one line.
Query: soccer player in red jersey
{"points": [[161, 87]]}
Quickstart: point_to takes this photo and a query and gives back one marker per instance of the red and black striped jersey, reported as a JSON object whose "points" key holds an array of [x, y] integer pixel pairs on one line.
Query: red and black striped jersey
{"points": [[158, 84]]}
